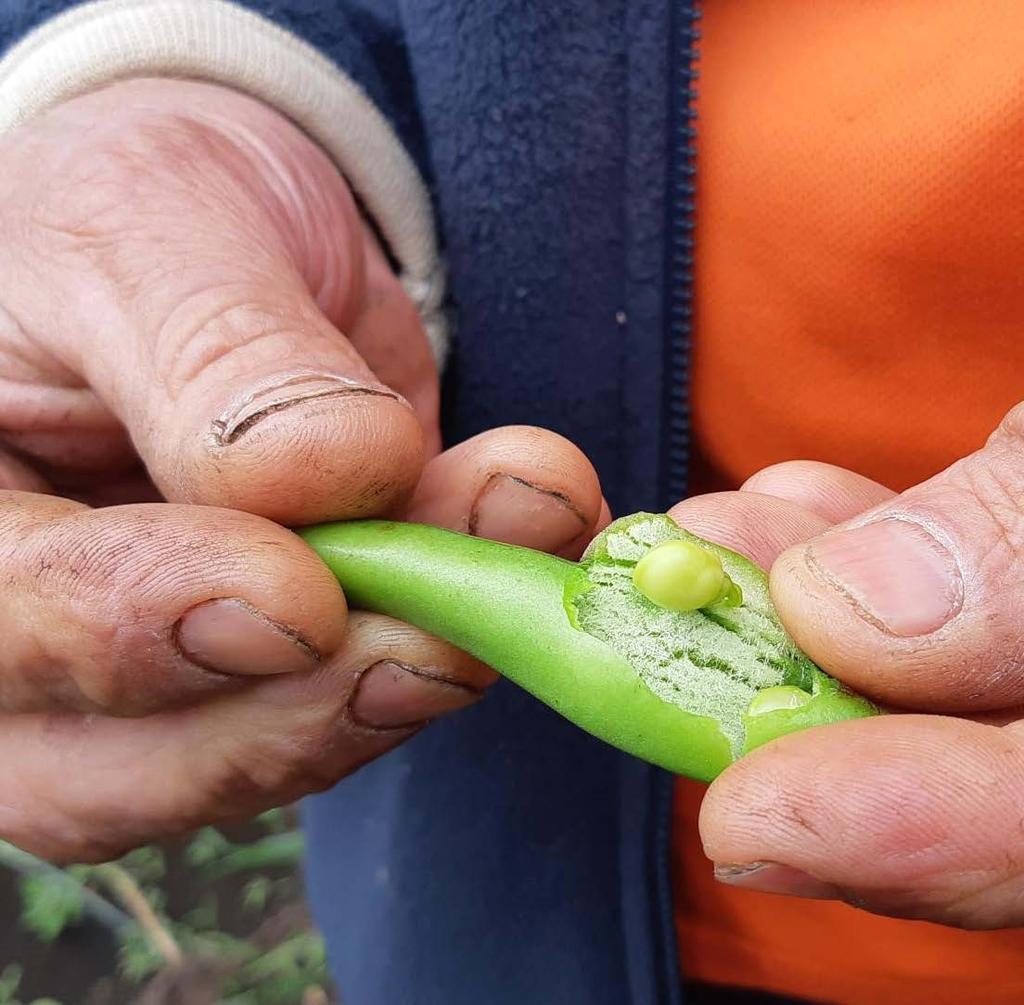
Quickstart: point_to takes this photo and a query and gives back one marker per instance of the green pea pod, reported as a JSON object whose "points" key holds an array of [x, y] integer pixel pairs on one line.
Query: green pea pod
{"points": [[689, 690]]}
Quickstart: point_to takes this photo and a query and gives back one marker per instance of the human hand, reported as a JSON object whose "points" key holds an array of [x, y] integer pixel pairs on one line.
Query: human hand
{"points": [[177, 266], [912, 599]]}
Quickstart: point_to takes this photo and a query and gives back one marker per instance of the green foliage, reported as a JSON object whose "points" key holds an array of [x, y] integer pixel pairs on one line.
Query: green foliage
{"points": [[302, 952], [146, 865], [254, 973], [283, 973], [275, 851], [202, 917], [256, 893], [10, 981], [50, 902], [137, 957], [206, 846], [218, 945]]}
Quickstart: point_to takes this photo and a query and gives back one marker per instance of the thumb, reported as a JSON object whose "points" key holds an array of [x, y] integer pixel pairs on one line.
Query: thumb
{"points": [[906, 815], [917, 601], [203, 303]]}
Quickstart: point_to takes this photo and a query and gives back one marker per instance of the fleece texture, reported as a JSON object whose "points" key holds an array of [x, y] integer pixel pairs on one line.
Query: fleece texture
{"points": [[502, 856]]}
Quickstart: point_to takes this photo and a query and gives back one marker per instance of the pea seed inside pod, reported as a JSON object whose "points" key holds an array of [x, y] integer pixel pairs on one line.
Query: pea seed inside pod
{"points": [[682, 576]]}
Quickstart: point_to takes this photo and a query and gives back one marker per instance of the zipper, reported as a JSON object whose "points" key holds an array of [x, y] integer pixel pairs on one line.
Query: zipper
{"points": [[681, 208], [676, 457]]}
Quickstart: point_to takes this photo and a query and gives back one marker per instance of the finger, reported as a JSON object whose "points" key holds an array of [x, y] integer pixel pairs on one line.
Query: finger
{"points": [[17, 476], [128, 609], [269, 744], [913, 816], [833, 493], [389, 335], [518, 484], [49, 418], [201, 261], [757, 526], [998, 717], [917, 601]]}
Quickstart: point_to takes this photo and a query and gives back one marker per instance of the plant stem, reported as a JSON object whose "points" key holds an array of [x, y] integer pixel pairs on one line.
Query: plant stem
{"points": [[97, 907], [124, 887], [272, 852]]}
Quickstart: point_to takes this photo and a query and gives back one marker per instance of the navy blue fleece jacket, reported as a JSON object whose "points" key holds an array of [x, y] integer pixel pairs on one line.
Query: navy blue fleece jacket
{"points": [[502, 856]]}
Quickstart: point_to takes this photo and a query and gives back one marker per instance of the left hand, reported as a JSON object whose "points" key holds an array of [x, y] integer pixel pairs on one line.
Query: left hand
{"points": [[915, 600], [191, 305]]}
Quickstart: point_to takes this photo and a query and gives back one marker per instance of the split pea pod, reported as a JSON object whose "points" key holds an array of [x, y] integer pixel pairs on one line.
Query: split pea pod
{"points": [[658, 642]]}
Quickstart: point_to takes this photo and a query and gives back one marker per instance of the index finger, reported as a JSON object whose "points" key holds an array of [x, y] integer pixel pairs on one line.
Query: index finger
{"points": [[758, 526]]}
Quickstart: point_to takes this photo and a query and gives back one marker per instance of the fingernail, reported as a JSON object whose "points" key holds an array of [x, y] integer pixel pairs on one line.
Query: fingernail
{"points": [[894, 574], [770, 877], [233, 637], [512, 510], [391, 694], [280, 393]]}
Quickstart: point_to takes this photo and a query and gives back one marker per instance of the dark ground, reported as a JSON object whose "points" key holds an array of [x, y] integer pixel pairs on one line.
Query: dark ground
{"points": [[82, 966]]}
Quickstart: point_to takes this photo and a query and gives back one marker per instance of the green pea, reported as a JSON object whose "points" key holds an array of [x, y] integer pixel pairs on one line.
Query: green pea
{"points": [[774, 699], [691, 684], [730, 596], [680, 576]]}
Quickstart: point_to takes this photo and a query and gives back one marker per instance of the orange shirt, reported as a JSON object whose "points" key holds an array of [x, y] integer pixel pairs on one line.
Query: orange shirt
{"points": [[860, 299]]}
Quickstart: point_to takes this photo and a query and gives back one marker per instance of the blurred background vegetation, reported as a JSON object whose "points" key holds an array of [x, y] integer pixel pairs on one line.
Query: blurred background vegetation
{"points": [[216, 919]]}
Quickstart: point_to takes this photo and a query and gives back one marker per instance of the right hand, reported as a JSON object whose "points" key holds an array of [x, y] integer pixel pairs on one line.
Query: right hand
{"points": [[177, 265]]}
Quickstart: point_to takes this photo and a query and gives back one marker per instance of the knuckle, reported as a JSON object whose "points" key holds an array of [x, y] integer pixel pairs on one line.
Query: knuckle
{"points": [[134, 163], [995, 489], [121, 180], [995, 478], [309, 757], [213, 324], [140, 198]]}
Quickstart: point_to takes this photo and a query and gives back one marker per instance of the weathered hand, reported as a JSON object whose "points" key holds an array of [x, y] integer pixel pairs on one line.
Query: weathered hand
{"points": [[178, 265], [913, 599]]}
